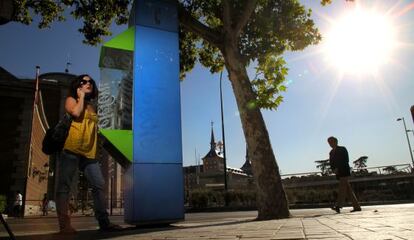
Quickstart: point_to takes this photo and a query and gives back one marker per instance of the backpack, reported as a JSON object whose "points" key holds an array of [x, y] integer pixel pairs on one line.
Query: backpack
{"points": [[55, 137]]}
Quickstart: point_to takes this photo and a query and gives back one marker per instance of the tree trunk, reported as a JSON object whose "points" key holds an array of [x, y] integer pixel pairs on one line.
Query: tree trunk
{"points": [[271, 198]]}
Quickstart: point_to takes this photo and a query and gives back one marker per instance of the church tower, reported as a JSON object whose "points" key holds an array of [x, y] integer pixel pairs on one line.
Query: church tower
{"points": [[212, 162]]}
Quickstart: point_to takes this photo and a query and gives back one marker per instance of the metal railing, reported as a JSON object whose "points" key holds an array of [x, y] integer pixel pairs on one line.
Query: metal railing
{"points": [[392, 169]]}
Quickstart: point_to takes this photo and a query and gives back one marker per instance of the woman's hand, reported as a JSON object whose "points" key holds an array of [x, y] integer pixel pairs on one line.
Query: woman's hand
{"points": [[75, 107], [81, 93]]}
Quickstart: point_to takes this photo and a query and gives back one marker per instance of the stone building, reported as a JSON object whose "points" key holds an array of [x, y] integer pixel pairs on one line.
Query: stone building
{"points": [[212, 162], [24, 167], [211, 173]]}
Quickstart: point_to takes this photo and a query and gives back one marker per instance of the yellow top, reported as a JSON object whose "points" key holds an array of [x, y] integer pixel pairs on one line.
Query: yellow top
{"points": [[82, 137]]}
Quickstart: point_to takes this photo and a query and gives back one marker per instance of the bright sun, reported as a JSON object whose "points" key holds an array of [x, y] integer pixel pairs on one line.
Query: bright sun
{"points": [[360, 42]]}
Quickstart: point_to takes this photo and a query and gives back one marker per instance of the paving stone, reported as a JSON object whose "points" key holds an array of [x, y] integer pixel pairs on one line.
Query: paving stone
{"points": [[388, 222], [329, 238], [370, 236], [325, 236]]}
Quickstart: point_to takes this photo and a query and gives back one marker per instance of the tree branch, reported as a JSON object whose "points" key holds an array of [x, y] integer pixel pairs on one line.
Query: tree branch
{"points": [[192, 24], [226, 16], [244, 18]]}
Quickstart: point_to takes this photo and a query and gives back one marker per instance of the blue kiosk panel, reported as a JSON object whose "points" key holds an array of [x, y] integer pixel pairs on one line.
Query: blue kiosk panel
{"points": [[158, 201], [154, 182], [157, 115], [161, 14]]}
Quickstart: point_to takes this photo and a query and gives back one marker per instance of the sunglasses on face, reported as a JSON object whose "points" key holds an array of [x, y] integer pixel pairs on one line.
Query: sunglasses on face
{"points": [[84, 82]]}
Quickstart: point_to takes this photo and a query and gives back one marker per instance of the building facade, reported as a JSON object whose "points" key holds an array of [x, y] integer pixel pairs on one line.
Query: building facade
{"points": [[24, 166], [210, 175]]}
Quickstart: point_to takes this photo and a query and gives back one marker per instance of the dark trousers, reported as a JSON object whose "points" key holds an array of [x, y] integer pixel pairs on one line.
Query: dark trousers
{"points": [[66, 172], [345, 191], [17, 211]]}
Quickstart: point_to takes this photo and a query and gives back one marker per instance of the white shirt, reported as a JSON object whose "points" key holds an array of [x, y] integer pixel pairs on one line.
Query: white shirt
{"points": [[19, 200]]}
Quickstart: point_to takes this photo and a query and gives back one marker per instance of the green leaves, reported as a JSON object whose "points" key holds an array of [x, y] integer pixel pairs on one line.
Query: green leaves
{"points": [[188, 51], [49, 11], [274, 27], [97, 15], [268, 83], [326, 2], [277, 26], [211, 57]]}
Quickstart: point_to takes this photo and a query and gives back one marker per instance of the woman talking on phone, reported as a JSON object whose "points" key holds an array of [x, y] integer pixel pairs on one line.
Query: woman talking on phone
{"points": [[79, 153]]}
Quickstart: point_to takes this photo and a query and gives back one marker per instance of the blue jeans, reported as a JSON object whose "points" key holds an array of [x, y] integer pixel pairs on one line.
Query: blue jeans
{"points": [[67, 166]]}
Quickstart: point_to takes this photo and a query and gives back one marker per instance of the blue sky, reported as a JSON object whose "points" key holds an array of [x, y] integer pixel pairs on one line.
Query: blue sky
{"points": [[360, 109]]}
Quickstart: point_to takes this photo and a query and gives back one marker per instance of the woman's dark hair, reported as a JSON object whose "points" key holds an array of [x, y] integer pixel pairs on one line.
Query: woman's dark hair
{"points": [[75, 84]]}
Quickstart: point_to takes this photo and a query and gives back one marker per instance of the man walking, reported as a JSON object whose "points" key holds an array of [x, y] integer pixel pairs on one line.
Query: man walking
{"points": [[339, 161], [18, 204]]}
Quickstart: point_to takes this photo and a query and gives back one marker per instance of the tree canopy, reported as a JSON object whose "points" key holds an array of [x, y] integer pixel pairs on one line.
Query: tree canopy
{"points": [[266, 29], [97, 15], [271, 28], [360, 164], [324, 166]]}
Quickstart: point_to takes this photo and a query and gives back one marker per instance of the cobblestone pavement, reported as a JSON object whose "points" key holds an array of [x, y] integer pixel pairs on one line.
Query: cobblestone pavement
{"points": [[373, 222]]}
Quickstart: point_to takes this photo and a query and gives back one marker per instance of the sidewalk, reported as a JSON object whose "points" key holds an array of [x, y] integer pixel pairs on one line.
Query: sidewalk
{"points": [[373, 222]]}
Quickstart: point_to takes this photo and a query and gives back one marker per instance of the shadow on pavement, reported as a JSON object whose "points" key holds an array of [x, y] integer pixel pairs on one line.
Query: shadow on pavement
{"points": [[92, 234], [127, 231]]}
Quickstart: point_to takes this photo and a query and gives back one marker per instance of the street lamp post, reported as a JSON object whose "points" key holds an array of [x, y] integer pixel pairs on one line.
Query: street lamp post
{"points": [[412, 131], [112, 195], [408, 139], [222, 133]]}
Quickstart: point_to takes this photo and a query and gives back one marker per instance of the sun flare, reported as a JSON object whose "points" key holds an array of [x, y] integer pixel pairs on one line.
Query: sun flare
{"points": [[360, 42]]}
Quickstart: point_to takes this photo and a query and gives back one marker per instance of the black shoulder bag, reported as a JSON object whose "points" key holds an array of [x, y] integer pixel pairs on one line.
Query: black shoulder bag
{"points": [[55, 137]]}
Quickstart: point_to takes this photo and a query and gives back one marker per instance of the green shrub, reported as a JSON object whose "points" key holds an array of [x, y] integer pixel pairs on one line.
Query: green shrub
{"points": [[199, 199], [202, 198], [298, 196]]}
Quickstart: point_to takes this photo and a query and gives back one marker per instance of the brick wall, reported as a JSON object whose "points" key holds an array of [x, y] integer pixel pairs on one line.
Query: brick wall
{"points": [[38, 166]]}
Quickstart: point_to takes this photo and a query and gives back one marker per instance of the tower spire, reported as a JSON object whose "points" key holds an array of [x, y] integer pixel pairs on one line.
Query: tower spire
{"points": [[212, 141]]}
